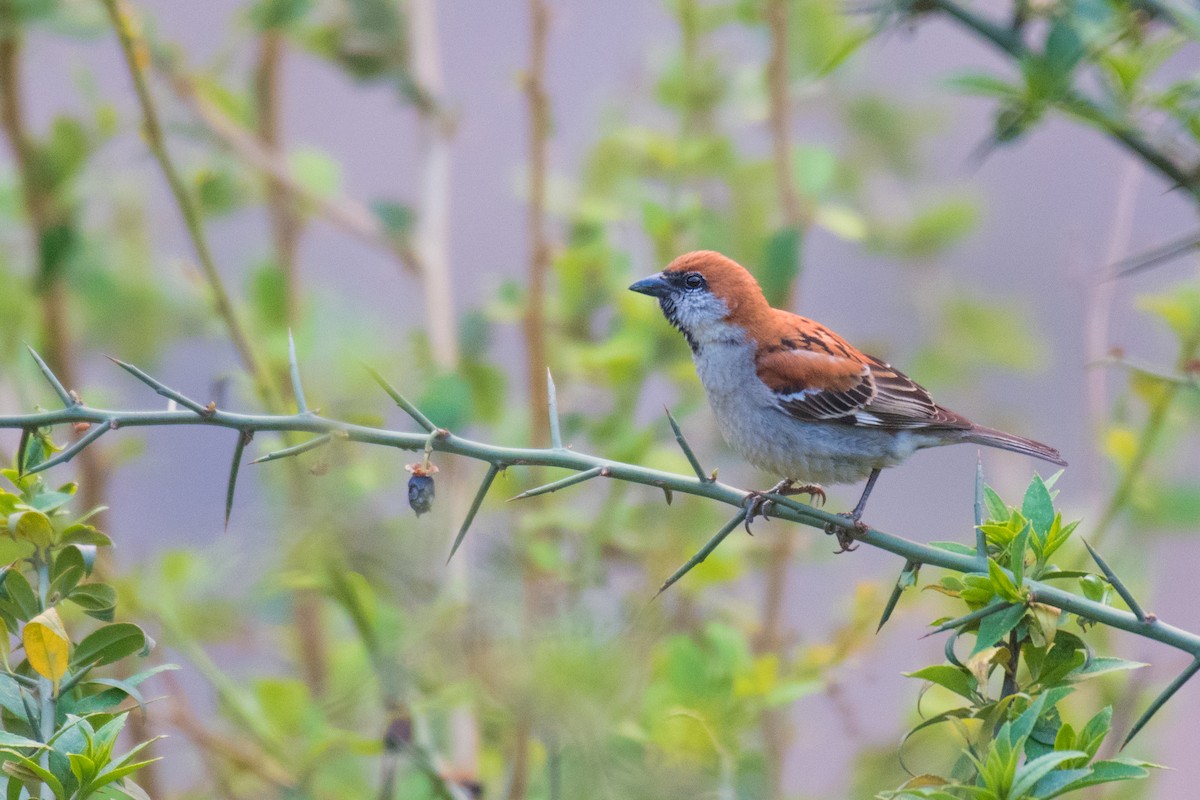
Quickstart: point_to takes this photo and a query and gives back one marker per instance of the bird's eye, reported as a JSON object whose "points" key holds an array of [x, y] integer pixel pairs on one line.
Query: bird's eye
{"points": [[693, 280]]}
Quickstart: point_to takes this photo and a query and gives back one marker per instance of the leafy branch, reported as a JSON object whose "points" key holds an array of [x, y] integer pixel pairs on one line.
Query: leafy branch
{"points": [[1050, 73]]}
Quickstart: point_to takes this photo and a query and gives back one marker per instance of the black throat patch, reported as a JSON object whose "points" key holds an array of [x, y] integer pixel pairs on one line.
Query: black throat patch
{"points": [[672, 314]]}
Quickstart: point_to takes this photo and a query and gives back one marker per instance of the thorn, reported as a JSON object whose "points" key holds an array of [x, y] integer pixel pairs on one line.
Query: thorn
{"points": [[493, 470]]}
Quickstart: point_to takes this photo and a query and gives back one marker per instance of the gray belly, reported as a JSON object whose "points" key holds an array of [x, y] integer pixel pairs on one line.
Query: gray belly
{"points": [[820, 452]]}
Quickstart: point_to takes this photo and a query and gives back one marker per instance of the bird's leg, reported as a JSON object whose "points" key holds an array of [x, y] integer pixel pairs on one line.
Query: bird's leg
{"points": [[757, 503], [846, 536]]}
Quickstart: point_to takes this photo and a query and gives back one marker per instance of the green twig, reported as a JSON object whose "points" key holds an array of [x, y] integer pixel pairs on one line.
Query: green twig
{"points": [[967, 619], [94, 433]]}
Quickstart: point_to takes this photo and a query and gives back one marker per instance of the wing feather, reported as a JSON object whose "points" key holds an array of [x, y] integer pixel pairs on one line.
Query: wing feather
{"points": [[817, 376]]}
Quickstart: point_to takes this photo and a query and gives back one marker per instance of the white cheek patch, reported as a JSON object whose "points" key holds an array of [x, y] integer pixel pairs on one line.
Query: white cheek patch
{"points": [[702, 314]]}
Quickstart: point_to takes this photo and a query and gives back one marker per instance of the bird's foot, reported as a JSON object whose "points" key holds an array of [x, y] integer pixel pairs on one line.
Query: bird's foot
{"points": [[846, 536], [758, 503]]}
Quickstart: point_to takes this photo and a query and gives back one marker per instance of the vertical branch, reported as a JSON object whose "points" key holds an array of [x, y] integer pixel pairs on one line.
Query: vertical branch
{"points": [[534, 329], [433, 218], [136, 57], [776, 729], [44, 218], [780, 114], [432, 244], [285, 223], [539, 249]]}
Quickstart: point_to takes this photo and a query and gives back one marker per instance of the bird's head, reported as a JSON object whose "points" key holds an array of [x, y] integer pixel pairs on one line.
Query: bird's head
{"points": [[707, 296]]}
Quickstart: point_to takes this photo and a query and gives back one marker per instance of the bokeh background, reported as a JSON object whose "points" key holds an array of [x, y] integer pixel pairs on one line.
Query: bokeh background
{"points": [[979, 269]]}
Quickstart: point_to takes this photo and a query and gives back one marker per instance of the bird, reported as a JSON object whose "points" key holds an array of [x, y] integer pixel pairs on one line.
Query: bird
{"points": [[797, 400]]}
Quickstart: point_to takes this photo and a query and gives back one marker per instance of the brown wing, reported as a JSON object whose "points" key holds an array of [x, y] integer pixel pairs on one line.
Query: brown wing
{"points": [[818, 376]]}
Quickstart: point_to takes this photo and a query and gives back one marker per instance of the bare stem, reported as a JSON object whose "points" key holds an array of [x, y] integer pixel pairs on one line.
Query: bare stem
{"points": [[136, 57], [286, 224]]}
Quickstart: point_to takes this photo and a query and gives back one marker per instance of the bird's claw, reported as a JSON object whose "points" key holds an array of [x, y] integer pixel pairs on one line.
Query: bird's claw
{"points": [[758, 503], [846, 536]]}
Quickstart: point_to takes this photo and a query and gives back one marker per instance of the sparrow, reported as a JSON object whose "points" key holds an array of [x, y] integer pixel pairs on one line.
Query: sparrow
{"points": [[794, 398]]}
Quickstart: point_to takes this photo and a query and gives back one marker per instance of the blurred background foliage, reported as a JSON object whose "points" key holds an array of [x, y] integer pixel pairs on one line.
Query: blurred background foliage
{"points": [[343, 659]]}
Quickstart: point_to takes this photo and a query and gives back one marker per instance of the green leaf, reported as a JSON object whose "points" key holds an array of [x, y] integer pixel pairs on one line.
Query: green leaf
{"points": [[1102, 665], [397, 220], [17, 587], [29, 771], [1064, 48], [780, 265], [997, 509], [274, 14], [986, 85], [317, 172], [1016, 556], [67, 571], [1003, 584], [97, 599], [954, 547], [813, 168], [1057, 784], [1038, 506], [1038, 768], [83, 534], [994, 627], [959, 681], [13, 740], [110, 643]]}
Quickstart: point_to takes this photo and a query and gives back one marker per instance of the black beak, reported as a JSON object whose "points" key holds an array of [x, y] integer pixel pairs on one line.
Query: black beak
{"points": [[655, 286]]}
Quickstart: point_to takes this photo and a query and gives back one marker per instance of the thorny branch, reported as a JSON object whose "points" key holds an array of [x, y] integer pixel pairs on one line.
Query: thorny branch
{"points": [[439, 440]]}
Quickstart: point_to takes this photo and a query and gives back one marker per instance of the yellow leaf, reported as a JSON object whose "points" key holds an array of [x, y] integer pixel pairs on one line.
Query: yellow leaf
{"points": [[1120, 444], [32, 526], [46, 645]]}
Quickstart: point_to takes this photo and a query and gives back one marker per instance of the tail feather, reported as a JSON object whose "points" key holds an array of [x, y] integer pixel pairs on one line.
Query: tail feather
{"points": [[1017, 444]]}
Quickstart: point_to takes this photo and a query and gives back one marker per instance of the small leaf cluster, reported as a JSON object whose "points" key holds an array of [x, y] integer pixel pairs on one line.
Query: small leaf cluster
{"points": [[1023, 664], [60, 716]]}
